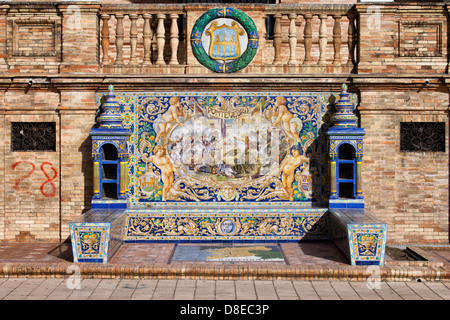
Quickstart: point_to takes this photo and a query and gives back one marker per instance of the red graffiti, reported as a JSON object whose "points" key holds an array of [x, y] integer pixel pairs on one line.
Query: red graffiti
{"points": [[16, 185], [27, 175], [49, 180]]}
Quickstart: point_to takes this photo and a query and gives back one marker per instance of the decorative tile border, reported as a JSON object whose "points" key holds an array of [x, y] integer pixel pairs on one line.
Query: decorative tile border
{"points": [[248, 224]]}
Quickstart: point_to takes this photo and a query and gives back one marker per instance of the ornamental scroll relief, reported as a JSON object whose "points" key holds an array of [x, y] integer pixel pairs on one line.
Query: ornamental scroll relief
{"points": [[142, 227]]}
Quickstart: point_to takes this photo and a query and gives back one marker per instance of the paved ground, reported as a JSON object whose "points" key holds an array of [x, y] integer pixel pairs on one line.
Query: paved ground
{"points": [[151, 289], [309, 271]]}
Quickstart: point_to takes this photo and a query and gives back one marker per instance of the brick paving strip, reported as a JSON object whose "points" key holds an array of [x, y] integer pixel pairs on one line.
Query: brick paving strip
{"points": [[224, 272]]}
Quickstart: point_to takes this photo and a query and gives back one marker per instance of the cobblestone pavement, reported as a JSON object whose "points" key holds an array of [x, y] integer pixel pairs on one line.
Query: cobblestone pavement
{"points": [[201, 290]]}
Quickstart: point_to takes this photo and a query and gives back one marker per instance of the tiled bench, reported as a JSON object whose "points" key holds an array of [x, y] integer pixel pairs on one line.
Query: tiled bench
{"points": [[97, 235], [359, 235]]}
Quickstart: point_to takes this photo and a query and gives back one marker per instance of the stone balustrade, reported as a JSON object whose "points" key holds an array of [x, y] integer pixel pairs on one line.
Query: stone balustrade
{"points": [[141, 36], [85, 37], [309, 38], [315, 31]]}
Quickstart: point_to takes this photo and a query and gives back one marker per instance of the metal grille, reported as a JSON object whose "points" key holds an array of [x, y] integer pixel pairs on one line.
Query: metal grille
{"points": [[422, 136], [33, 136]]}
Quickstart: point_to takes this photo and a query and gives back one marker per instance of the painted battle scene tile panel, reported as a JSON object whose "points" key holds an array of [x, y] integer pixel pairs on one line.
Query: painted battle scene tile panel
{"points": [[226, 146]]}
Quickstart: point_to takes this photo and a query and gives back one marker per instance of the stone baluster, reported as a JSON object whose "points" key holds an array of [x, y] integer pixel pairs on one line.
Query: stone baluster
{"points": [[292, 39], [133, 38], [174, 39], [119, 39], [307, 36], [337, 40], [147, 37], [105, 38], [351, 40], [160, 38], [277, 38], [264, 30], [322, 39]]}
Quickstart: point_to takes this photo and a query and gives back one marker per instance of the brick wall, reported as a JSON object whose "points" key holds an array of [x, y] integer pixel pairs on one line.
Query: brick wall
{"points": [[31, 179], [31, 207], [77, 112], [44, 190], [409, 190], [396, 39]]}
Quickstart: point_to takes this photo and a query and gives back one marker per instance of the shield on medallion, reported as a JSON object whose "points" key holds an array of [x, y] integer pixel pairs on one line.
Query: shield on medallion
{"points": [[224, 41]]}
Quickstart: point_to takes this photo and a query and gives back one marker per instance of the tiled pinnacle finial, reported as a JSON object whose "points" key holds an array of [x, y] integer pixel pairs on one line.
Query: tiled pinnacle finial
{"points": [[344, 116], [110, 117]]}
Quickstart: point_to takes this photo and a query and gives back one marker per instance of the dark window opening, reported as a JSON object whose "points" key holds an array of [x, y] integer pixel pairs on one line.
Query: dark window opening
{"points": [[346, 152], [346, 190], [109, 152], [109, 171], [109, 166], [109, 191], [346, 171]]}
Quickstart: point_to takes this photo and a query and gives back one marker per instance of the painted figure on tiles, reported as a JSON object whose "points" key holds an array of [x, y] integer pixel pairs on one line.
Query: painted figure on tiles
{"points": [[288, 167], [288, 122], [165, 123], [164, 164]]}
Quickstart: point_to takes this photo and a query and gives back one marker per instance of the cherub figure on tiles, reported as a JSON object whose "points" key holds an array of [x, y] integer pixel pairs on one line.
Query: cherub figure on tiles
{"points": [[163, 163], [288, 166], [290, 124], [164, 124]]}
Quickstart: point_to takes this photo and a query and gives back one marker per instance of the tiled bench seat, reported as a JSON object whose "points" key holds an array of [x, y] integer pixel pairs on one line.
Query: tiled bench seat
{"points": [[359, 235], [97, 235]]}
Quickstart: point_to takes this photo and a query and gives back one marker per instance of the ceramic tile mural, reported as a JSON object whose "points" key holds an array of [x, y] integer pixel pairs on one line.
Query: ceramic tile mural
{"points": [[228, 252], [226, 146], [226, 222]]}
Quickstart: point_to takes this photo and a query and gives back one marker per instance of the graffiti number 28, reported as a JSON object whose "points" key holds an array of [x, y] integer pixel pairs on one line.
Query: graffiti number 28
{"points": [[28, 174]]}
